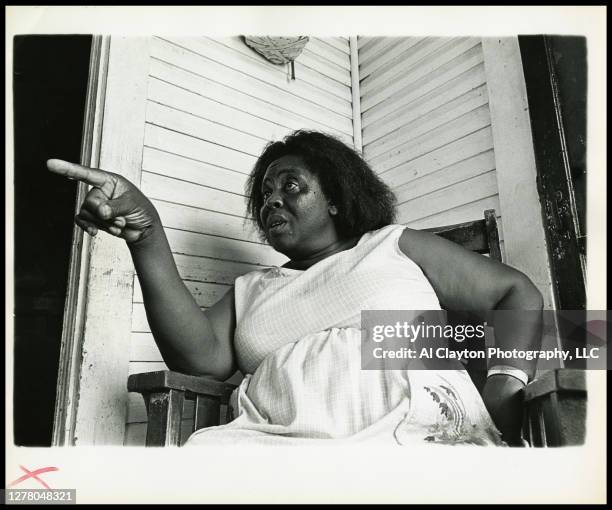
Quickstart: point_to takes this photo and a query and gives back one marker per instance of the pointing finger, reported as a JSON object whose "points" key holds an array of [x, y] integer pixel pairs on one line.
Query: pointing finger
{"points": [[89, 176]]}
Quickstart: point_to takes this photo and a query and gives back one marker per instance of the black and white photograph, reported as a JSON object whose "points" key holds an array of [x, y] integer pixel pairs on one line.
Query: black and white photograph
{"points": [[214, 237]]}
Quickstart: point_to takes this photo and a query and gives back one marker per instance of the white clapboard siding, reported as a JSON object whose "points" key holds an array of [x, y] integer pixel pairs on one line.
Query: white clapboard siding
{"points": [[205, 294], [477, 188], [140, 323], [138, 367], [212, 106], [205, 221], [243, 101], [340, 43], [204, 269], [405, 75], [201, 128], [458, 150], [199, 149], [365, 41], [415, 60], [374, 47], [183, 192], [223, 115], [324, 51], [414, 147], [467, 212], [426, 127], [427, 82], [327, 67], [425, 123], [451, 90], [144, 348], [391, 54], [453, 174], [159, 162], [219, 247]]}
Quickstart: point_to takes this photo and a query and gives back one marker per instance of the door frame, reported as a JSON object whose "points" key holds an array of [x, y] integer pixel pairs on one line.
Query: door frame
{"points": [[91, 402], [74, 307], [555, 185]]}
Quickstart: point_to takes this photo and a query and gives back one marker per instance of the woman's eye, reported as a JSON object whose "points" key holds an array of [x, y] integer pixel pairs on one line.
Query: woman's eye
{"points": [[266, 194], [291, 186]]}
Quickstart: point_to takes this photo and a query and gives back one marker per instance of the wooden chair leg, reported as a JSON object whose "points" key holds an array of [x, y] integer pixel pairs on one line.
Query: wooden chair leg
{"points": [[555, 407], [165, 411], [207, 412]]}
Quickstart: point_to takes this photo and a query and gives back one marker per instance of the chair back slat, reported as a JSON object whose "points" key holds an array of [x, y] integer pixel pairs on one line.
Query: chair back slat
{"points": [[492, 235], [481, 236]]}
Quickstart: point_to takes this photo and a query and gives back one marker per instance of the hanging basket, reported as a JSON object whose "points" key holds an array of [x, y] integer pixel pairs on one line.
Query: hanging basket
{"points": [[278, 50]]}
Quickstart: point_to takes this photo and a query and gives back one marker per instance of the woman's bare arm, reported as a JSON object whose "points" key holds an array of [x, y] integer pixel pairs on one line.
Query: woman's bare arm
{"points": [[467, 281], [190, 340]]}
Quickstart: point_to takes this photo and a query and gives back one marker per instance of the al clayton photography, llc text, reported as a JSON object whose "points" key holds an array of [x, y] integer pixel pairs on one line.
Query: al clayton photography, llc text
{"points": [[426, 339]]}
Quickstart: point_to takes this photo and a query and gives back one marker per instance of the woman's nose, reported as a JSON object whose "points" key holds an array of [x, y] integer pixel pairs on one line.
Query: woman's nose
{"points": [[274, 201]]}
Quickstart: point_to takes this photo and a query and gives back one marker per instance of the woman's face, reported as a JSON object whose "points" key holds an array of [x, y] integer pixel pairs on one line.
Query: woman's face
{"points": [[296, 216]]}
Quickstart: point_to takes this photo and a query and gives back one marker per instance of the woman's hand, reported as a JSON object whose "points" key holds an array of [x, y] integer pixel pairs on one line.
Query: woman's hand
{"points": [[503, 398], [113, 204], [189, 340]]}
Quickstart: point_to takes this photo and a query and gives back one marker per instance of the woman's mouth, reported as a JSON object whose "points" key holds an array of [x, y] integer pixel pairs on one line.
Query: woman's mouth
{"points": [[277, 225]]}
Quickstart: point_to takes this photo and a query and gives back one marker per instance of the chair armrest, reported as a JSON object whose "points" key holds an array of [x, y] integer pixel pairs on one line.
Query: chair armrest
{"points": [[555, 408], [163, 380], [164, 393]]}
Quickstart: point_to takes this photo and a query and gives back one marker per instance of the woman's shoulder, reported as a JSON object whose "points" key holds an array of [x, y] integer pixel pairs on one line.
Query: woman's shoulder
{"points": [[381, 242], [401, 234], [390, 231]]}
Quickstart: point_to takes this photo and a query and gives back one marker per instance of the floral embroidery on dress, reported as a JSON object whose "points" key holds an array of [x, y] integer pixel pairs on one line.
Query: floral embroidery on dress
{"points": [[449, 422], [453, 414]]}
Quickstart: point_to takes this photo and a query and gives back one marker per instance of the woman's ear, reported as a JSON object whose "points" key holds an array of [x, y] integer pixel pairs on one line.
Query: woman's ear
{"points": [[333, 210]]}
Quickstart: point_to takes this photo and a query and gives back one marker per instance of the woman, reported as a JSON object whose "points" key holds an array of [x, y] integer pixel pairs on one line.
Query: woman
{"points": [[295, 330]]}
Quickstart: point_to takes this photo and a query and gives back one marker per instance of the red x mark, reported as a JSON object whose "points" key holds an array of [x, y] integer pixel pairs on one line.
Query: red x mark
{"points": [[32, 474]]}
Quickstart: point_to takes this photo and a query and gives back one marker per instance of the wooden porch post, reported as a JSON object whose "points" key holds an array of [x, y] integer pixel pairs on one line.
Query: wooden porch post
{"points": [[524, 237]]}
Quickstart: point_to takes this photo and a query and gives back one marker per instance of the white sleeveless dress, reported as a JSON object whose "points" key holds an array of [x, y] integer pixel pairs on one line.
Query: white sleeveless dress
{"points": [[298, 340]]}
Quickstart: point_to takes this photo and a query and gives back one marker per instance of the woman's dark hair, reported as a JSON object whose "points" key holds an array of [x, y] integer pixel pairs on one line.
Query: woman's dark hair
{"points": [[363, 200]]}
